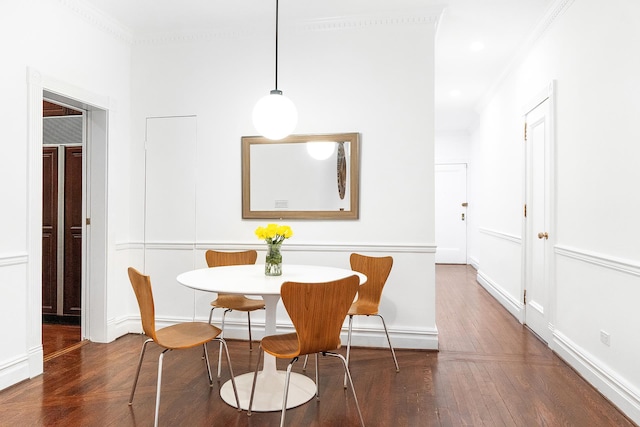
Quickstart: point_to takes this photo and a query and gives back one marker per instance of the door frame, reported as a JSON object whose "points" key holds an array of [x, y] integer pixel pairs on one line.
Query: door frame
{"points": [[94, 297], [548, 93], [463, 165]]}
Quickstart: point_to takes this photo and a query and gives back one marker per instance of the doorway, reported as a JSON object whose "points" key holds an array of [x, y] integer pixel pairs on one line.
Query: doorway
{"points": [[451, 213], [538, 218], [62, 231]]}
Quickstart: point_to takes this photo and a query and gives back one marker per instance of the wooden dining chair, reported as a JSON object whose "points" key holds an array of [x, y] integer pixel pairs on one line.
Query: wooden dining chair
{"points": [[175, 337], [317, 311], [230, 302], [377, 270]]}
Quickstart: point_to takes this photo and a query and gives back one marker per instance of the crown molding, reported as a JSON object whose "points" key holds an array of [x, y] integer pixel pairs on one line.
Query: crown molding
{"points": [[429, 16], [425, 16], [99, 20]]}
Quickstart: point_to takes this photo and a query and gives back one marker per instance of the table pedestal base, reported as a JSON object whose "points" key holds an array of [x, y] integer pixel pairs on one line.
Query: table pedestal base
{"points": [[269, 391]]}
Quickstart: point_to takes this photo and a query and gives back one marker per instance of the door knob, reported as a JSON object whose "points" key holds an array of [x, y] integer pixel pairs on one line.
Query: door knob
{"points": [[542, 235]]}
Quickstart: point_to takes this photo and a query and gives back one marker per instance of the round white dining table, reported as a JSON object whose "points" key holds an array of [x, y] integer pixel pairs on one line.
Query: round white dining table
{"points": [[251, 280]]}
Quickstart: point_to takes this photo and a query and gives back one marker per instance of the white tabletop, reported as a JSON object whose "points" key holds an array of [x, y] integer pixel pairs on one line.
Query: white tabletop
{"points": [[251, 280]]}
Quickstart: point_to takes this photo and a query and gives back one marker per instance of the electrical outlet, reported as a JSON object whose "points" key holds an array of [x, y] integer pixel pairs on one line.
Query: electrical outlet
{"points": [[605, 338]]}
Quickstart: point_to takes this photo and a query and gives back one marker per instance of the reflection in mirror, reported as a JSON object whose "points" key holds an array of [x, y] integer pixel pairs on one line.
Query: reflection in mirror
{"points": [[301, 177]]}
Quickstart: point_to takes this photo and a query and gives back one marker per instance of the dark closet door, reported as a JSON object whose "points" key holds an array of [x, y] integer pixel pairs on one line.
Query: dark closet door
{"points": [[49, 230], [72, 230]]}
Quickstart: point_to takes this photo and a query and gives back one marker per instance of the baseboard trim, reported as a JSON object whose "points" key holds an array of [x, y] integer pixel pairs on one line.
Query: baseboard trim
{"points": [[513, 306], [14, 371], [625, 396], [361, 337]]}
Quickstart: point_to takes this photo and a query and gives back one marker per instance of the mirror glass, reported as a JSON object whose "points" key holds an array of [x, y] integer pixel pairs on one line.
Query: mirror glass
{"points": [[301, 177]]}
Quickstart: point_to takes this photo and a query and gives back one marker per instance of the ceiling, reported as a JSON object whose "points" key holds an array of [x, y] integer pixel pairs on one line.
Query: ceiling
{"points": [[463, 75]]}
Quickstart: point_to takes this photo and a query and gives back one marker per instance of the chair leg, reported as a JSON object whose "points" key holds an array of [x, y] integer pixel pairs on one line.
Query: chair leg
{"points": [[221, 336], [393, 353], [155, 421], [135, 380], [317, 378], [206, 359], [348, 346], [255, 377], [286, 391], [249, 322], [210, 317], [304, 365], [348, 375], [233, 378]]}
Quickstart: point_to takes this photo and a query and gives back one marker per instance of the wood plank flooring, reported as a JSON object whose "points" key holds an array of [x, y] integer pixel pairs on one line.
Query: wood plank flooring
{"points": [[490, 371], [58, 339]]}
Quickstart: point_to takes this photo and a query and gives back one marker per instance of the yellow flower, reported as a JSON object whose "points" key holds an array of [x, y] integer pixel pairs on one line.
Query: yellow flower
{"points": [[284, 230], [274, 233], [261, 233]]}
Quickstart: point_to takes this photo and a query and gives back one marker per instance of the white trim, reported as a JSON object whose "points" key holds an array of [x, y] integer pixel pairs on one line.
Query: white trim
{"points": [[429, 16], [372, 337], [98, 19], [293, 247], [474, 262], [14, 371], [33, 307], [500, 235], [615, 388], [601, 260], [125, 246], [513, 306], [94, 296], [10, 259]]}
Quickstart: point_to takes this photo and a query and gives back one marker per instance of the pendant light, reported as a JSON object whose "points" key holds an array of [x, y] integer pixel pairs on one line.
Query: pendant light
{"points": [[275, 116]]}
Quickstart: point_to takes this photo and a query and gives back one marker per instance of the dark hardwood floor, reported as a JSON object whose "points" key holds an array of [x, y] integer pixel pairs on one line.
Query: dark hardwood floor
{"points": [[490, 371], [59, 338]]}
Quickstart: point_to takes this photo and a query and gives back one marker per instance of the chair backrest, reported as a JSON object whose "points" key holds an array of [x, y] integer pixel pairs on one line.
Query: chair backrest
{"points": [[377, 270], [142, 288], [220, 259], [318, 310]]}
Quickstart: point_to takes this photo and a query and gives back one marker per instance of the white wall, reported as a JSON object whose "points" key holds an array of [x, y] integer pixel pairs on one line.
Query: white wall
{"points": [[372, 76], [50, 45], [452, 146], [588, 52]]}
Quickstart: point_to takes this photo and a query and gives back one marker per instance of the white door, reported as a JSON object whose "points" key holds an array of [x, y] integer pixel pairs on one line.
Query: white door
{"points": [[537, 220], [451, 212]]}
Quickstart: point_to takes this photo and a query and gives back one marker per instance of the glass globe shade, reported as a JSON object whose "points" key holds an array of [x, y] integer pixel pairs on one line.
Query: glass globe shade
{"points": [[275, 116], [321, 150]]}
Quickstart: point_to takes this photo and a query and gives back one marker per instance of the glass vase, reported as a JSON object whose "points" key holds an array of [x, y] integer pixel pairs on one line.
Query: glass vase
{"points": [[273, 262]]}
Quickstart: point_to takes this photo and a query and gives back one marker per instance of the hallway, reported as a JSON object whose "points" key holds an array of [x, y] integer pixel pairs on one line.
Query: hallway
{"points": [[490, 371]]}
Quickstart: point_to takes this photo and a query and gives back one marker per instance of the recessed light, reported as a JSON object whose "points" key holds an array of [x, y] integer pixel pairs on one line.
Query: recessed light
{"points": [[476, 46]]}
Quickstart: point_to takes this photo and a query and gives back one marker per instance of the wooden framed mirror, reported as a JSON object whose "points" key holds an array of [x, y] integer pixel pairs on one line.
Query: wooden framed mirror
{"points": [[301, 177]]}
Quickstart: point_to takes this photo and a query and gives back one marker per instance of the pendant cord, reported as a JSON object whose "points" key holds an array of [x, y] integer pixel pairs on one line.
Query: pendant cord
{"points": [[276, 44]]}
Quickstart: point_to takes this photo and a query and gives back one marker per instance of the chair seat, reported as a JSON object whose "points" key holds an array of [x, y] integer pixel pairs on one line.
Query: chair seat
{"points": [[363, 309], [282, 346], [238, 303], [286, 346], [186, 335]]}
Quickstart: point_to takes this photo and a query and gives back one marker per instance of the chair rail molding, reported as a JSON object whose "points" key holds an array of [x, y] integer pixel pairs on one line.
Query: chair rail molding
{"points": [[16, 258], [501, 235], [599, 259]]}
